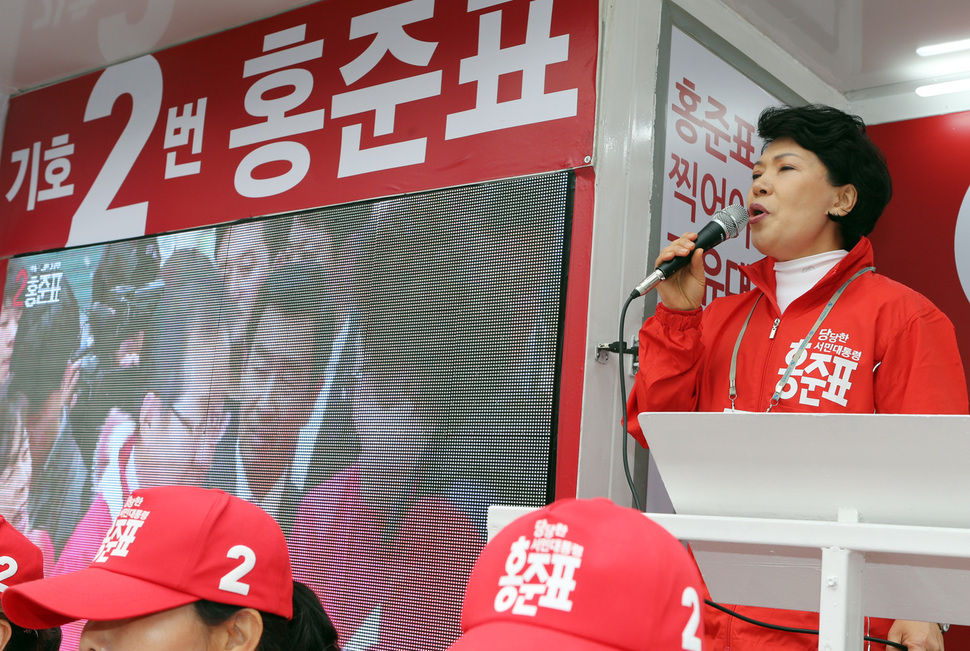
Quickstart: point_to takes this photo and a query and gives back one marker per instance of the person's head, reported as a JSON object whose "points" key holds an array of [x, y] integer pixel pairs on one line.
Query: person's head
{"points": [[21, 561], [182, 568], [321, 239], [15, 461], [416, 385], [41, 366], [285, 353], [246, 252], [820, 184], [9, 317], [407, 384], [584, 575], [182, 413], [314, 237], [399, 409], [309, 628]]}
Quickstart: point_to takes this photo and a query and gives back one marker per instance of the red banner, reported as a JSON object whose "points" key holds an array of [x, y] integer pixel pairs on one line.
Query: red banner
{"points": [[327, 104]]}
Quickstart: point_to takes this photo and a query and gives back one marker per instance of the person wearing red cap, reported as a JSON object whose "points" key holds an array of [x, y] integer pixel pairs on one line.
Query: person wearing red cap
{"points": [[584, 575], [21, 561], [181, 412], [182, 568]]}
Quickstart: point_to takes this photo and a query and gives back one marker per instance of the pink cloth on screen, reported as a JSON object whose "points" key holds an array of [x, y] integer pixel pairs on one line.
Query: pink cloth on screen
{"points": [[416, 573]]}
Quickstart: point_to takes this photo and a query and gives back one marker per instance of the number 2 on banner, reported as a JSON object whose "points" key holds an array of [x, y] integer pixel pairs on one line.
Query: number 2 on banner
{"points": [[95, 220]]}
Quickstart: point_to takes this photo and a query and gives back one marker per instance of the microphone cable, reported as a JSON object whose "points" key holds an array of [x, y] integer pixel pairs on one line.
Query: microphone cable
{"points": [[623, 398], [724, 225], [790, 629]]}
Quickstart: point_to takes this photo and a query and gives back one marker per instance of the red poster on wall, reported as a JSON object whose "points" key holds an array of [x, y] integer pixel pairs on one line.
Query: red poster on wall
{"points": [[331, 103], [930, 208], [923, 238], [710, 145]]}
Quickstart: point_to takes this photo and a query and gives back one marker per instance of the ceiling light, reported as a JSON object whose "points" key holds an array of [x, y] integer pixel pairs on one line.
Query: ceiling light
{"points": [[943, 48], [943, 88]]}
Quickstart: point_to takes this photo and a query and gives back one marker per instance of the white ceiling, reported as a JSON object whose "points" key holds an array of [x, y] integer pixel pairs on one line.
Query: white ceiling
{"points": [[863, 48]]}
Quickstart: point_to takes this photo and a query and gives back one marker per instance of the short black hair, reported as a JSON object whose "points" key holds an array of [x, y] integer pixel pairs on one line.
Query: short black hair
{"points": [[272, 233], [310, 629], [188, 305], [48, 337], [841, 143], [28, 639], [297, 290]]}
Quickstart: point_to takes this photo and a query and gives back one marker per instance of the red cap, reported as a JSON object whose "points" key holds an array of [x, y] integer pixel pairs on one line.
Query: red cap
{"points": [[20, 559], [168, 547], [584, 575]]}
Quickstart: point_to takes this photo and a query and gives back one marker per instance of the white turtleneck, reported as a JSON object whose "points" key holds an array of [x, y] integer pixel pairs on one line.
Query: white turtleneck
{"points": [[795, 277]]}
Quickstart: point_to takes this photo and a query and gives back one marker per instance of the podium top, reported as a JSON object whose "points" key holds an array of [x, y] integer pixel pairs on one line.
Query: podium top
{"points": [[892, 469]]}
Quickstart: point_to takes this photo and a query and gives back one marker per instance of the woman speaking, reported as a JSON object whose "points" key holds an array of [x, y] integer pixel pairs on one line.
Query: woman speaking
{"points": [[821, 331]]}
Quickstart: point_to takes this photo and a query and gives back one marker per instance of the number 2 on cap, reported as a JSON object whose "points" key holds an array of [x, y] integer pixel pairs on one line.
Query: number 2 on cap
{"points": [[689, 639], [8, 572], [230, 582]]}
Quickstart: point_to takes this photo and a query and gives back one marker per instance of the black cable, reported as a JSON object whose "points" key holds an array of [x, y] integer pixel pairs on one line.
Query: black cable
{"points": [[789, 629], [623, 398], [774, 627]]}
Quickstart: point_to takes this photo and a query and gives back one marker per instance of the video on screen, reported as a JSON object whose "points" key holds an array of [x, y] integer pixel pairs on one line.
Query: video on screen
{"points": [[372, 375]]}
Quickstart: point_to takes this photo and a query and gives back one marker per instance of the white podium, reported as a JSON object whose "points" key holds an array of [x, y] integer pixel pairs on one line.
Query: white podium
{"points": [[847, 515]]}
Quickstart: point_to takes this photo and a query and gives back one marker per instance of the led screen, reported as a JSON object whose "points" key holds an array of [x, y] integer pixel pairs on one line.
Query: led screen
{"points": [[372, 375]]}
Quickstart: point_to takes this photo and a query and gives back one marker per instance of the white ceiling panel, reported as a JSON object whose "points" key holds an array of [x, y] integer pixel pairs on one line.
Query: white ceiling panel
{"points": [[865, 47]]}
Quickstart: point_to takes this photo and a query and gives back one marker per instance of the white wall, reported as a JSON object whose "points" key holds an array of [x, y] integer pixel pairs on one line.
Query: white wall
{"points": [[623, 162], [905, 105]]}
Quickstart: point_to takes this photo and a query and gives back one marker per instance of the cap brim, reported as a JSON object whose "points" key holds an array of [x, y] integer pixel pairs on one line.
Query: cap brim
{"points": [[512, 636], [93, 594]]}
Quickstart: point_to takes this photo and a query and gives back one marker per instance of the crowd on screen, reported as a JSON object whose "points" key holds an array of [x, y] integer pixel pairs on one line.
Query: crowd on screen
{"points": [[261, 360]]}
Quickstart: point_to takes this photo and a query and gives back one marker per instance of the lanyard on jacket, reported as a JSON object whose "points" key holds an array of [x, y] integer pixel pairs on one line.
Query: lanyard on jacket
{"points": [[776, 396]]}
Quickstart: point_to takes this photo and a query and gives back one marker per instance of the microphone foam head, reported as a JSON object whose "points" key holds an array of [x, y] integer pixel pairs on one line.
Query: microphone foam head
{"points": [[733, 218]]}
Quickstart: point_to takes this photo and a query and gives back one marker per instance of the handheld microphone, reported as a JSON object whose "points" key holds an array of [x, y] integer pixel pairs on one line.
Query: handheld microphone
{"points": [[724, 225]]}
